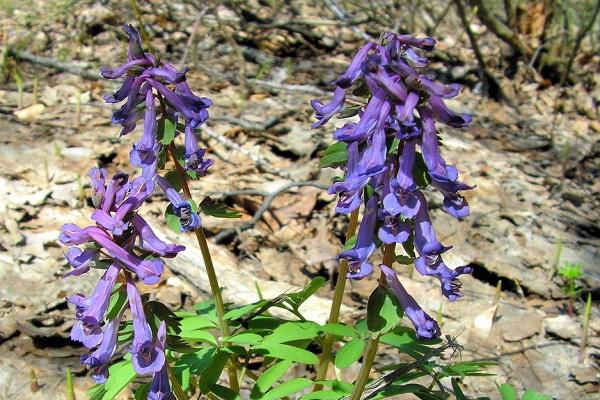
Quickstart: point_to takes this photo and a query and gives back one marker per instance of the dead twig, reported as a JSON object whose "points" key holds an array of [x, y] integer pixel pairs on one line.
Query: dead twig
{"points": [[51, 63], [332, 5], [227, 234]]}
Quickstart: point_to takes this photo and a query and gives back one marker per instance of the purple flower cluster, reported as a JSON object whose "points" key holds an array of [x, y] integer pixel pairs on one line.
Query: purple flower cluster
{"points": [[153, 91], [111, 241], [147, 81], [401, 116]]}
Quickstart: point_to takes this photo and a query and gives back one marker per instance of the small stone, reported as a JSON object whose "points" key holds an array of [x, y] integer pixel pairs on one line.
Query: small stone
{"points": [[16, 237], [562, 326], [38, 198], [64, 177], [585, 374], [30, 113], [516, 325]]}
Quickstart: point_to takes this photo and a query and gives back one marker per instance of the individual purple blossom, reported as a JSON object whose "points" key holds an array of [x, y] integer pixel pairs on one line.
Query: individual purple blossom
{"points": [[149, 241], [90, 311], [188, 219], [401, 199], [99, 359], [148, 270], [425, 326], [160, 388], [147, 356], [357, 257], [80, 260]]}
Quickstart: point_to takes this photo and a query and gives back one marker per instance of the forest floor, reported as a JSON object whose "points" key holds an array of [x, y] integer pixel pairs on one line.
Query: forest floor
{"points": [[536, 164]]}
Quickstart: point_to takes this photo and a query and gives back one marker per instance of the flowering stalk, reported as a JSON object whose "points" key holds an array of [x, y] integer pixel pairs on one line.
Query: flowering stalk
{"points": [[210, 271], [373, 343], [392, 154], [334, 313]]}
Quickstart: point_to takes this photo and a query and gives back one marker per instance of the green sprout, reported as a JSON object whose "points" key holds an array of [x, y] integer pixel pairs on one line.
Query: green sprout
{"points": [[570, 274]]}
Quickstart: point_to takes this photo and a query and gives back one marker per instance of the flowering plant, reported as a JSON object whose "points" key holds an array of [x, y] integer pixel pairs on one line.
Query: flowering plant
{"points": [[185, 352]]}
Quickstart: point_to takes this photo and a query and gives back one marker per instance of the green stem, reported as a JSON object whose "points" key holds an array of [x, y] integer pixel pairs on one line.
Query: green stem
{"points": [[365, 369], [586, 326], [389, 253], [212, 275], [334, 313], [70, 390]]}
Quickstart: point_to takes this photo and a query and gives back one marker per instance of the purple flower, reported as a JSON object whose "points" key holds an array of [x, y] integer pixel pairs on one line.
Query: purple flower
{"points": [[357, 257], [369, 120], [433, 265], [146, 151], [425, 326], [98, 360], [425, 239], [324, 112], [80, 260], [354, 71], [447, 116], [183, 210], [159, 388], [393, 230], [193, 156], [72, 234], [147, 356], [149, 241], [402, 198], [148, 270], [90, 311]]}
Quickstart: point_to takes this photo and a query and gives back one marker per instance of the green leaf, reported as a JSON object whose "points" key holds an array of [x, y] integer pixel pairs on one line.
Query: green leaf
{"points": [[349, 112], [395, 389], [198, 336], [174, 180], [166, 131], [531, 394], [405, 260], [337, 386], [244, 338], [409, 245], [405, 339], [160, 312], [195, 323], [119, 376], [457, 390], [287, 388], [218, 210], [291, 331], [349, 244], [287, 352], [507, 392], [469, 368], [244, 310], [350, 353], [296, 299], [196, 362], [383, 311], [322, 395], [339, 329], [420, 174], [335, 155], [207, 309], [172, 220], [264, 323], [224, 392], [269, 378], [141, 393], [118, 299], [211, 374]]}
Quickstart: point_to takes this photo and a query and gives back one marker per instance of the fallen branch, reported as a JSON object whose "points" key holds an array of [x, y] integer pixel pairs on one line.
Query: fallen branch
{"points": [[332, 5], [55, 64], [227, 234]]}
